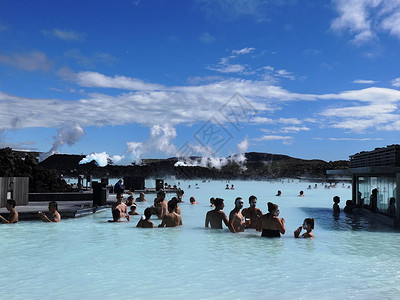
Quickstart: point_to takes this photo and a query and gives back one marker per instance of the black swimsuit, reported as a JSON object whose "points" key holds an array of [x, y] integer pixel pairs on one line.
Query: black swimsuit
{"points": [[270, 233]]}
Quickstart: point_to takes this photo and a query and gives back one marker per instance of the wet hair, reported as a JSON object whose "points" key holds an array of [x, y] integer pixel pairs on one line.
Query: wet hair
{"points": [[192, 199], [272, 206], [252, 197], [336, 199], [119, 195], [238, 198], [130, 197], [309, 221], [148, 212], [54, 203], [212, 200], [172, 204], [218, 201], [12, 202]]}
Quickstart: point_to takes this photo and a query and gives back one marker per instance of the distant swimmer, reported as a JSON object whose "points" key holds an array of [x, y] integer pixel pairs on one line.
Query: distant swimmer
{"points": [[133, 211], [53, 215], [145, 222], [308, 226], [193, 200], [252, 214], [215, 217], [236, 217], [309, 187], [271, 224], [391, 210], [232, 187], [278, 194], [121, 207], [349, 206], [336, 201], [172, 219], [301, 194], [129, 200], [13, 215], [227, 187], [141, 198]]}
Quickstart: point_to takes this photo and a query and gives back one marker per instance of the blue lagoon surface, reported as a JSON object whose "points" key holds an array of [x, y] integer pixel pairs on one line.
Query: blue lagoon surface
{"points": [[88, 258]]}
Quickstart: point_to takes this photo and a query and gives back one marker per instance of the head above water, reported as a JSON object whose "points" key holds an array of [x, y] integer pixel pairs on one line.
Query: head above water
{"points": [[272, 207], [309, 222], [253, 201], [53, 205], [11, 203], [336, 199], [218, 202], [172, 204], [148, 212], [239, 202]]}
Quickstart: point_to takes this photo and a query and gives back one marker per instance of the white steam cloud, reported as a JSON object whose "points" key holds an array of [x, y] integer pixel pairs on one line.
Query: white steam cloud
{"points": [[66, 135]]}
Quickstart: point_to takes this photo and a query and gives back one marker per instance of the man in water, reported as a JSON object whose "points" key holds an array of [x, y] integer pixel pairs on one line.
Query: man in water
{"points": [[162, 203], [216, 216], [54, 215], [252, 214], [172, 219], [13, 216], [123, 209], [236, 217]]}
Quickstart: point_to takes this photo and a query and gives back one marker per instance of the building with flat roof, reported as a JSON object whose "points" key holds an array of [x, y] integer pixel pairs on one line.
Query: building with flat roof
{"points": [[377, 169]]}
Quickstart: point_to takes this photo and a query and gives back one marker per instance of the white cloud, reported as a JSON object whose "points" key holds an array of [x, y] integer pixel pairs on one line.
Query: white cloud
{"points": [[364, 81], [66, 35], [273, 138], [290, 129], [365, 19], [355, 139], [396, 82], [94, 79], [31, 61], [243, 51]]}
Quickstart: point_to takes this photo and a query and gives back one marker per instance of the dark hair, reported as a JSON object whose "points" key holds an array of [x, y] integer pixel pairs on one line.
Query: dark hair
{"points": [[54, 203], [12, 202], [161, 194], [238, 198], [310, 221], [192, 199], [172, 204], [392, 200], [336, 199], [148, 212], [252, 197], [272, 206], [212, 200], [218, 201]]}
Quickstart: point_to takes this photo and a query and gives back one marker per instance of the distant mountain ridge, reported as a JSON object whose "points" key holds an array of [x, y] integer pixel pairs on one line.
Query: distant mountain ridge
{"points": [[257, 165]]}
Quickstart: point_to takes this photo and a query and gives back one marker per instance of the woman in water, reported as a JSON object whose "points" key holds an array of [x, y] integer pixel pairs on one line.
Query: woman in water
{"points": [[271, 224], [308, 226]]}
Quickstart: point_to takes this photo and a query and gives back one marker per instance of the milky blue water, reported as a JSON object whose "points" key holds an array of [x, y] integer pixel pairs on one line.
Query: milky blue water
{"points": [[88, 258]]}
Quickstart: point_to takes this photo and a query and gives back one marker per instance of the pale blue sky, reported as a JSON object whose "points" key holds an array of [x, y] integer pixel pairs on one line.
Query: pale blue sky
{"points": [[309, 79]]}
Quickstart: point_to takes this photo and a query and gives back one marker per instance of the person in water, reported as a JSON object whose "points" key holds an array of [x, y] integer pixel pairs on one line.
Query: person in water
{"points": [[271, 224], [172, 219], [308, 226], [252, 214], [53, 216], [141, 198], [336, 201], [13, 216], [212, 199], [236, 217], [349, 206], [133, 211], [278, 194], [215, 217], [193, 200], [301, 194], [145, 222], [121, 207]]}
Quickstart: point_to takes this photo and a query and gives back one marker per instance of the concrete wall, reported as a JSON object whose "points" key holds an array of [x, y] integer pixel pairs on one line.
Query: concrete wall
{"points": [[16, 188]]}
